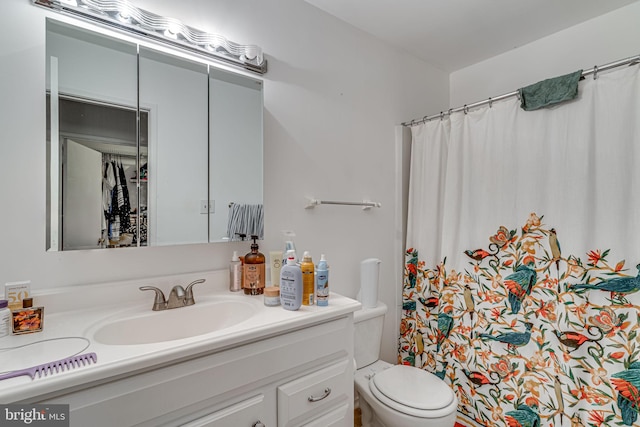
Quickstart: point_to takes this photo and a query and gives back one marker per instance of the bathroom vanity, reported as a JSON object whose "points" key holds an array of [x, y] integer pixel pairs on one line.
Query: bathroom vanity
{"points": [[226, 361]]}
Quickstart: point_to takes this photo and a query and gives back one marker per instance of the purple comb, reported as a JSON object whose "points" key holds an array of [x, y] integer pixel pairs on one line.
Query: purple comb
{"points": [[54, 367]]}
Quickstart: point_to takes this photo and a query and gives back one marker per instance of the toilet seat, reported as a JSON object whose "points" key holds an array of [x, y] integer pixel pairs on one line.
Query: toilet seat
{"points": [[413, 391]]}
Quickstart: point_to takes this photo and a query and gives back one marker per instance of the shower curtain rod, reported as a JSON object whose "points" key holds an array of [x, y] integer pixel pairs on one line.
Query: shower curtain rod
{"points": [[595, 70]]}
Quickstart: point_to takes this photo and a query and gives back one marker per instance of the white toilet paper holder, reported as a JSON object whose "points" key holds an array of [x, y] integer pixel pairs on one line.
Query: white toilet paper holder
{"points": [[369, 282]]}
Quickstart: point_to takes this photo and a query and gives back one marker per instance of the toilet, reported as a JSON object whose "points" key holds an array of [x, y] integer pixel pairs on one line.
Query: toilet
{"points": [[396, 395]]}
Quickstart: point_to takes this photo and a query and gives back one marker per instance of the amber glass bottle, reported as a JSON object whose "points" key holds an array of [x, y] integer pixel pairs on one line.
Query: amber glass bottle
{"points": [[254, 270]]}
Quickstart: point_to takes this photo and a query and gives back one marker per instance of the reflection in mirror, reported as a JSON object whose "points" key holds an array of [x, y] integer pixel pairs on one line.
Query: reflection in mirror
{"points": [[235, 163], [175, 93], [147, 148], [98, 157], [87, 75]]}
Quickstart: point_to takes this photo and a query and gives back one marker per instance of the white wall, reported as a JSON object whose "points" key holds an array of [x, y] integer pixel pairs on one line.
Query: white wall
{"points": [[601, 40], [332, 98]]}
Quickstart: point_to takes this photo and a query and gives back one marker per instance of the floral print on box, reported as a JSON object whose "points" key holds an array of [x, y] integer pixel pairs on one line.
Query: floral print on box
{"points": [[528, 335]]}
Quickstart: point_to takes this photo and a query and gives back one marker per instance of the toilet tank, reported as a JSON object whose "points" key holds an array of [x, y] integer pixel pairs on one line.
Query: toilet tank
{"points": [[368, 324]]}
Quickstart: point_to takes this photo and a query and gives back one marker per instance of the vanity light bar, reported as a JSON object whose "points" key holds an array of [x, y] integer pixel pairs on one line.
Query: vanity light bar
{"points": [[122, 15]]}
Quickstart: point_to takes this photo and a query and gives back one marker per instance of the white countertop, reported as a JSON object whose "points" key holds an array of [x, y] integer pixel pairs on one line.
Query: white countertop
{"points": [[72, 316]]}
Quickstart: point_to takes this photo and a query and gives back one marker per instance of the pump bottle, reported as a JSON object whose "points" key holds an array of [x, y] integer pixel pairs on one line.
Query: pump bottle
{"points": [[254, 270], [291, 283]]}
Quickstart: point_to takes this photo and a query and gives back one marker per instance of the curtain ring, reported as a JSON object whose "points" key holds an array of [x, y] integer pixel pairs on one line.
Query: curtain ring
{"points": [[465, 109], [595, 72], [441, 115], [413, 122], [450, 112], [490, 103], [425, 119]]}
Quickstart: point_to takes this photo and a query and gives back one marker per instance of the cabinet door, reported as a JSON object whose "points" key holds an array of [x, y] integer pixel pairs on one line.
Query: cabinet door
{"points": [[82, 209], [247, 413]]}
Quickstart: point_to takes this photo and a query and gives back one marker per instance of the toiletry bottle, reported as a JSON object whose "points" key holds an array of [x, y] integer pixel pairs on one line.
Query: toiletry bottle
{"points": [[290, 246], [291, 283], [28, 319], [5, 318], [254, 270], [275, 264], [235, 273], [308, 279], [322, 282]]}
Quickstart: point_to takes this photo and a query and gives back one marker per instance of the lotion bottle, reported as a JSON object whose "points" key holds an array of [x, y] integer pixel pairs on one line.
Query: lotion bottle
{"points": [[322, 283], [291, 283], [254, 270], [308, 279], [275, 264], [235, 273]]}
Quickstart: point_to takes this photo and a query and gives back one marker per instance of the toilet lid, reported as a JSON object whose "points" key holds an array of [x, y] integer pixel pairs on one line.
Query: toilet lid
{"points": [[413, 387]]}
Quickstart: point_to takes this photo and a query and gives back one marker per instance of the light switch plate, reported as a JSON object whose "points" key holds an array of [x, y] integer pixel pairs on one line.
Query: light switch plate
{"points": [[207, 206]]}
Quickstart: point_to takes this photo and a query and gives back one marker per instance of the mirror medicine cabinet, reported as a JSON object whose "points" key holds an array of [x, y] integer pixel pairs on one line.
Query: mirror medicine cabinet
{"points": [[145, 147]]}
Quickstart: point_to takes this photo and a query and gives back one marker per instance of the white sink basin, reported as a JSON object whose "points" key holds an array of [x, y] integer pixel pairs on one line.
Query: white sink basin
{"points": [[149, 326]]}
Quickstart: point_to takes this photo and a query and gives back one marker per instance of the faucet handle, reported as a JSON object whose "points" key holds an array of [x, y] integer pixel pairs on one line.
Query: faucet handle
{"points": [[188, 298], [159, 303]]}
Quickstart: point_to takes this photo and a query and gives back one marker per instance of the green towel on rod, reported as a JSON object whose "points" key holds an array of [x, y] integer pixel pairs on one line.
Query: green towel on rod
{"points": [[550, 91]]}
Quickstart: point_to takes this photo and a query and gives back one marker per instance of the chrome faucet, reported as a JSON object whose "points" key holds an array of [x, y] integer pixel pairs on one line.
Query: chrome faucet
{"points": [[179, 296]]}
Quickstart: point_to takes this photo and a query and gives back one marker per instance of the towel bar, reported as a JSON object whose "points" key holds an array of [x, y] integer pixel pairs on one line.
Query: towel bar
{"points": [[366, 204]]}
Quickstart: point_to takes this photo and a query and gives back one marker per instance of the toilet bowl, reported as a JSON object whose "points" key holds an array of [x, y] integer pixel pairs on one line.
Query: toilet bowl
{"points": [[396, 395]]}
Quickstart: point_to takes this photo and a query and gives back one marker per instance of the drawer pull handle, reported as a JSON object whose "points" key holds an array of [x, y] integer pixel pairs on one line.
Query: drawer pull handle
{"points": [[327, 392]]}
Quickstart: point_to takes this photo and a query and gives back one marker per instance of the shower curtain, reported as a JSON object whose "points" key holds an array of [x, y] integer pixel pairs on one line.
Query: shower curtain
{"points": [[522, 258]]}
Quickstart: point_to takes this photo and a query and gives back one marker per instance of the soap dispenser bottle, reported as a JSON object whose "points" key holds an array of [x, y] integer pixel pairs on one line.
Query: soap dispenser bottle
{"points": [[254, 270]]}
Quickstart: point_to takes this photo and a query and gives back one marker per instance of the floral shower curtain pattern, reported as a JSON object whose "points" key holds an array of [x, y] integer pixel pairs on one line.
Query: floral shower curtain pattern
{"points": [[522, 263]]}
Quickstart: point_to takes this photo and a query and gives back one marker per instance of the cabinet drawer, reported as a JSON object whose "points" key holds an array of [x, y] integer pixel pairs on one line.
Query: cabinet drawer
{"points": [[242, 414], [308, 396], [338, 417]]}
